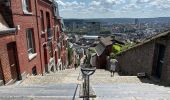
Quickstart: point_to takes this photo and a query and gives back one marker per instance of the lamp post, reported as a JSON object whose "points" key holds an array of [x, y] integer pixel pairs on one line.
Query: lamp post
{"points": [[88, 69], [86, 85]]}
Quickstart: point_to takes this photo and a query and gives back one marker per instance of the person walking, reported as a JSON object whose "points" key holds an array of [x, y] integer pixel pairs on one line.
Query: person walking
{"points": [[113, 63], [75, 66]]}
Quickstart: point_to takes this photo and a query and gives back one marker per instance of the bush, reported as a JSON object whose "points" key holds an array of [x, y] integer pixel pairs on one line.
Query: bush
{"points": [[116, 48]]}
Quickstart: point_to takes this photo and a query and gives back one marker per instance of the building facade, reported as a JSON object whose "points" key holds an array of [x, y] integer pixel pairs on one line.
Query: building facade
{"points": [[32, 39]]}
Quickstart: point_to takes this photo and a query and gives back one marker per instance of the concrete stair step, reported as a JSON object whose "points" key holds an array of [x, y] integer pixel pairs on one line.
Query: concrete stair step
{"points": [[40, 92], [125, 91]]}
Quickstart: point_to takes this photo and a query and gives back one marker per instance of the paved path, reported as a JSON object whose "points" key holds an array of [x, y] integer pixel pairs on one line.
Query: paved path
{"points": [[126, 88], [129, 91], [104, 77], [63, 85], [64, 76]]}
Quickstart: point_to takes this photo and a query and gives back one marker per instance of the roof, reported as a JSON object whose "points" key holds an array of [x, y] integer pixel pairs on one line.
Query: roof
{"points": [[90, 37], [106, 41], [147, 40], [109, 38], [99, 49]]}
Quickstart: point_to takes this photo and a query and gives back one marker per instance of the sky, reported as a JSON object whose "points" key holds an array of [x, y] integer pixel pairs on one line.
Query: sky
{"points": [[114, 8]]}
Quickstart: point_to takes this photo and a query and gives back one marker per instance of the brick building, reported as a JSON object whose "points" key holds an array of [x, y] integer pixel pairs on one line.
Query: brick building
{"points": [[103, 49], [151, 56], [51, 35], [32, 39]]}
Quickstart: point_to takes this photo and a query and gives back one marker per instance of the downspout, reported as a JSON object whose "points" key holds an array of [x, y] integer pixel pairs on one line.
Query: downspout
{"points": [[36, 14]]}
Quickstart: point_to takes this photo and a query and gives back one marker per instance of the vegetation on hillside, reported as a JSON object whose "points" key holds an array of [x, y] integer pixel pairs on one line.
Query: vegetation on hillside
{"points": [[117, 49]]}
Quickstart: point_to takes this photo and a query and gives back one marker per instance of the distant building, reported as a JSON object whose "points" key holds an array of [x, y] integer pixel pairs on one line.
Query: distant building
{"points": [[89, 37], [136, 21], [93, 28], [103, 49]]}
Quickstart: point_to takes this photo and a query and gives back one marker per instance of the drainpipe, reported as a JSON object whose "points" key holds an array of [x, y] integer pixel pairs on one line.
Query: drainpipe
{"points": [[38, 34], [8, 31]]}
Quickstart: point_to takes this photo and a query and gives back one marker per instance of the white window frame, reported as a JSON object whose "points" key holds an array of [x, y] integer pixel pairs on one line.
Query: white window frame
{"points": [[24, 7], [30, 47]]}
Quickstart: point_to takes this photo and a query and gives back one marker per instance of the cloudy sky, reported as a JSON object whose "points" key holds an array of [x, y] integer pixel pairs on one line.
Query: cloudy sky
{"points": [[114, 8]]}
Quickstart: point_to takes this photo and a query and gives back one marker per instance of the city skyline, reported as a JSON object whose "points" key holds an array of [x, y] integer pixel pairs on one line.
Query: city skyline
{"points": [[114, 8]]}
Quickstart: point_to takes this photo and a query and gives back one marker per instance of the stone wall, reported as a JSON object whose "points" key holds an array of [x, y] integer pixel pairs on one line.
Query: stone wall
{"points": [[141, 59], [165, 77], [137, 59]]}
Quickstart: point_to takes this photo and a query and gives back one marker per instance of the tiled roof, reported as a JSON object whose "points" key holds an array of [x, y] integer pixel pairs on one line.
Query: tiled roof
{"points": [[100, 49], [106, 41]]}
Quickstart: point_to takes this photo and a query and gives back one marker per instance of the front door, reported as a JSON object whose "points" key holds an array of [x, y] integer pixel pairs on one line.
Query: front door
{"points": [[1, 72], [160, 60], [13, 60], [45, 58]]}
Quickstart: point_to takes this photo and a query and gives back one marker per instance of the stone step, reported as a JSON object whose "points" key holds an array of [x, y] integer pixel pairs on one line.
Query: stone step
{"points": [[125, 91], [40, 92]]}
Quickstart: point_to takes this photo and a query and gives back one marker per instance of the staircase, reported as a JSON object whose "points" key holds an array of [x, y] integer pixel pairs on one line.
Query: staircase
{"points": [[40, 92], [126, 87], [130, 91], [64, 86]]}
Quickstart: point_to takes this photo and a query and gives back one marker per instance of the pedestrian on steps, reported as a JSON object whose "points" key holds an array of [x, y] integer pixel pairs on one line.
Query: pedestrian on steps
{"points": [[75, 65], [113, 64]]}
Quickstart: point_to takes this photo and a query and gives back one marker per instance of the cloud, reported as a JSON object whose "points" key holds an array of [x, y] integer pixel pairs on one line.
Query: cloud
{"points": [[60, 2], [130, 7], [155, 4], [95, 3], [143, 1], [108, 8]]}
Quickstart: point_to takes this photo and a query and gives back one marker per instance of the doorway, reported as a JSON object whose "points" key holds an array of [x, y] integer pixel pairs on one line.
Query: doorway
{"points": [[158, 60], [1, 73], [45, 59], [34, 71], [13, 60]]}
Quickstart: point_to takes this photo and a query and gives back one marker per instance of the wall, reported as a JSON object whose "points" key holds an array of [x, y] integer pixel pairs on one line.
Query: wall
{"points": [[138, 59], [45, 60], [165, 77], [4, 40], [25, 21]]}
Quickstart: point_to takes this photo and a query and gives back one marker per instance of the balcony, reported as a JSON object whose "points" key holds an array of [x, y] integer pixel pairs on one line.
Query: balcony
{"points": [[49, 34]]}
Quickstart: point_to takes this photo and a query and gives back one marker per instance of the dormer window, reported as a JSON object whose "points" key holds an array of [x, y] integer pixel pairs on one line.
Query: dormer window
{"points": [[26, 6]]}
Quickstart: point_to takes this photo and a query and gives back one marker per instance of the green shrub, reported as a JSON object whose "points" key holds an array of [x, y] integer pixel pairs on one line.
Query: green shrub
{"points": [[116, 48]]}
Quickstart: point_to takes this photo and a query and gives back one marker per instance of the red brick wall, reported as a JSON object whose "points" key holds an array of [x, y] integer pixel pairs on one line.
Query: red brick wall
{"points": [[45, 7], [4, 40], [25, 21]]}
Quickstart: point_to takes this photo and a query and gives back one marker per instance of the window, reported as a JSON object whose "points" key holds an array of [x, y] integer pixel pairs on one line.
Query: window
{"points": [[50, 49], [30, 41], [59, 55], [26, 6], [34, 71], [42, 20], [48, 20]]}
